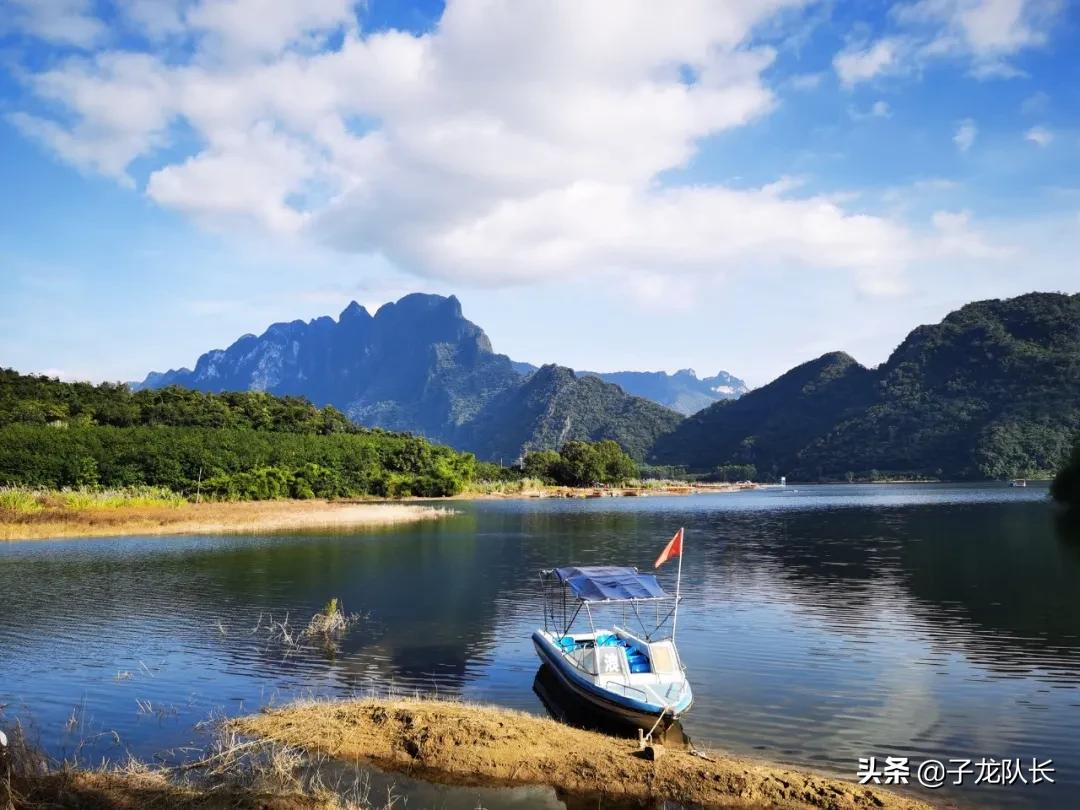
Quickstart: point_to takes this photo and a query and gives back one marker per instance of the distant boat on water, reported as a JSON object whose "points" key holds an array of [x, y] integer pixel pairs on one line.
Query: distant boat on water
{"points": [[1018, 482]]}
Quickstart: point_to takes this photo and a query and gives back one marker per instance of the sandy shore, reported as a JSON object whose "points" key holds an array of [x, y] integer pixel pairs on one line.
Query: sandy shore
{"points": [[467, 744], [212, 518]]}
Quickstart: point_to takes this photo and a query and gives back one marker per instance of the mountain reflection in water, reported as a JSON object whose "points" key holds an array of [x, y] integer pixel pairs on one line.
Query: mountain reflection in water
{"points": [[818, 626]]}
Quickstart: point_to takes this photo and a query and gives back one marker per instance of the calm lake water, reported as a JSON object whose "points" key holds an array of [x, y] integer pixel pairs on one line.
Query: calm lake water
{"points": [[819, 625]]}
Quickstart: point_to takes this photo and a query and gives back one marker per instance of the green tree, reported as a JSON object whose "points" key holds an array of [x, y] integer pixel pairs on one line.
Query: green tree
{"points": [[541, 464], [579, 465], [616, 467]]}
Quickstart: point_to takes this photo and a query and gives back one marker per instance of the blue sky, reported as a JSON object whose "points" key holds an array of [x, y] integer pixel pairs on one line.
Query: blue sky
{"points": [[635, 185]]}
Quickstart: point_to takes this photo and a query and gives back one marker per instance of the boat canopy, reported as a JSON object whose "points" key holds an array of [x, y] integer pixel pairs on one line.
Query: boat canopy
{"points": [[610, 583]]}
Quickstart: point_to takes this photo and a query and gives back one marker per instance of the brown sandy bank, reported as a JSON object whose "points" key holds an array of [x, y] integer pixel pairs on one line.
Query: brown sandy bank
{"points": [[210, 518], [461, 743]]}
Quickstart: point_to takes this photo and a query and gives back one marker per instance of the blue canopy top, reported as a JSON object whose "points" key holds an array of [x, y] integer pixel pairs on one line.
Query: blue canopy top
{"points": [[610, 583]]}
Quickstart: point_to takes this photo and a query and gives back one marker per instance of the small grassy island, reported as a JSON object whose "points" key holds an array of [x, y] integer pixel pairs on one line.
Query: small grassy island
{"points": [[467, 744]]}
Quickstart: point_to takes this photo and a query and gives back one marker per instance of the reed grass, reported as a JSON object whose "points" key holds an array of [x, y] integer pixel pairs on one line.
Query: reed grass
{"points": [[232, 773], [20, 501], [31, 501], [516, 487]]}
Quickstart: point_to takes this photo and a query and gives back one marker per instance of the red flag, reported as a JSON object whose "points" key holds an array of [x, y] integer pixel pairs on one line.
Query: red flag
{"points": [[672, 549]]}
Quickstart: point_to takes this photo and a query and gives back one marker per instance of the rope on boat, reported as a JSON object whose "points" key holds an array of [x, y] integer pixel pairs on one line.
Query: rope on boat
{"points": [[658, 719]]}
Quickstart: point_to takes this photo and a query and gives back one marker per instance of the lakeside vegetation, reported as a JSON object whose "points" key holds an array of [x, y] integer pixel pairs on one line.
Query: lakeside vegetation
{"points": [[581, 464], [79, 459], [83, 438], [38, 515], [16, 501], [233, 446]]}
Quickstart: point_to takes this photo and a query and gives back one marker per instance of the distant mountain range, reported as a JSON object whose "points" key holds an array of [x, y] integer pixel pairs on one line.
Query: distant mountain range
{"points": [[681, 391], [418, 365], [993, 391]]}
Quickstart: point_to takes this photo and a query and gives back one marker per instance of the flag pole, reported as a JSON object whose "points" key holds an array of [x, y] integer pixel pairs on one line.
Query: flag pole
{"points": [[678, 583]]}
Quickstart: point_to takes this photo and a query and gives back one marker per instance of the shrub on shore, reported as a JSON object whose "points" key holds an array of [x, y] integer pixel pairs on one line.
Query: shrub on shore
{"points": [[513, 486]]}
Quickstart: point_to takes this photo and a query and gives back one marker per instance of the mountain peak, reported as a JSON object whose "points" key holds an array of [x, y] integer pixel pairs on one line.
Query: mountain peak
{"points": [[353, 311], [421, 304]]}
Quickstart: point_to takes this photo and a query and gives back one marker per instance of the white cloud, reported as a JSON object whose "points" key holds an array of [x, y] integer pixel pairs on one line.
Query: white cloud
{"points": [[64, 22], [1040, 136], [965, 134], [985, 34], [155, 19], [516, 141], [243, 27], [806, 81], [253, 176], [956, 237], [121, 103], [1035, 104], [879, 109], [862, 64]]}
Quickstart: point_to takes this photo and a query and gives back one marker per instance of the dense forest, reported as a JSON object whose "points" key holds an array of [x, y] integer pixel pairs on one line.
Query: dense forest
{"points": [[991, 392], [234, 445]]}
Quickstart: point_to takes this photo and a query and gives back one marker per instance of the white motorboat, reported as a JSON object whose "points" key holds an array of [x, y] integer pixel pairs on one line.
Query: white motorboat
{"points": [[636, 676]]}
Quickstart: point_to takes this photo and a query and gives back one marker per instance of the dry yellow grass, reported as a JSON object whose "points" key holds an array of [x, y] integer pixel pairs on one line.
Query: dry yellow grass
{"points": [[456, 742], [109, 790], [210, 518]]}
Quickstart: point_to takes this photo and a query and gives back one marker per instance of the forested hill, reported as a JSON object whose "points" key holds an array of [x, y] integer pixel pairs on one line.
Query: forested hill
{"points": [[554, 405], [993, 391], [40, 400], [234, 445]]}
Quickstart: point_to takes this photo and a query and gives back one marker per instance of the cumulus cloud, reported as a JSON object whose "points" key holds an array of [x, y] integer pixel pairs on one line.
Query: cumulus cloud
{"points": [[1040, 136], [955, 237], [985, 34], [63, 22], [965, 134], [879, 109], [514, 142], [861, 64]]}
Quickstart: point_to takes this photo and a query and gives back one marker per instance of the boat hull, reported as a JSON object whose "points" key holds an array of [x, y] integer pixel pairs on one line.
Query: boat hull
{"points": [[634, 712]]}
